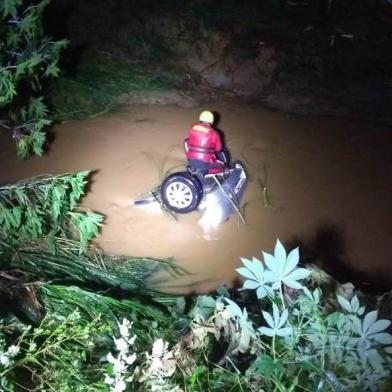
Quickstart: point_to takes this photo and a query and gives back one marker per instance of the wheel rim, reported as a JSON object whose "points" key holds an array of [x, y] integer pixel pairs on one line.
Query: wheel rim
{"points": [[179, 195]]}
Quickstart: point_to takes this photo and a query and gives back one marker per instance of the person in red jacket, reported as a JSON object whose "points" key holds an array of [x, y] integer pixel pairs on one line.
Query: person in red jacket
{"points": [[204, 145]]}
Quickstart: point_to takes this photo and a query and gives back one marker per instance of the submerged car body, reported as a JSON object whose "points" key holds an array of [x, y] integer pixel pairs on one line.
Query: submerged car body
{"points": [[224, 199]]}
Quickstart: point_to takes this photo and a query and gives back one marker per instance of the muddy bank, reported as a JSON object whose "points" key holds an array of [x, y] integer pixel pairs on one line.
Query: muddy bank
{"points": [[328, 181], [309, 58]]}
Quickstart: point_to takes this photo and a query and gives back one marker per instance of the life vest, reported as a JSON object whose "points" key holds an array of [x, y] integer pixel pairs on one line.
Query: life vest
{"points": [[203, 143]]}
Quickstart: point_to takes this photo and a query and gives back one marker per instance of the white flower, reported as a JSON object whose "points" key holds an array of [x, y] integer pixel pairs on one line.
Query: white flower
{"points": [[121, 344], [124, 327], [131, 341], [108, 380], [119, 366], [120, 386], [131, 359], [110, 358], [4, 360], [159, 348], [13, 350], [32, 346]]}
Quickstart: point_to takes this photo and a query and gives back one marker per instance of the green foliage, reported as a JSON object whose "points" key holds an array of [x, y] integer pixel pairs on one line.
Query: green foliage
{"points": [[276, 323], [302, 343], [280, 270], [91, 267], [297, 340], [26, 58], [45, 208], [99, 83], [52, 357], [150, 320]]}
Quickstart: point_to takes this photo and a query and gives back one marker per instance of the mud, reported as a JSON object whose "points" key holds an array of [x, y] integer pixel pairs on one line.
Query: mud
{"points": [[327, 188]]}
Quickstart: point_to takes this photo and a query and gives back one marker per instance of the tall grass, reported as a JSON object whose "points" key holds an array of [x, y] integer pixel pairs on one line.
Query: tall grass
{"points": [[99, 82]]}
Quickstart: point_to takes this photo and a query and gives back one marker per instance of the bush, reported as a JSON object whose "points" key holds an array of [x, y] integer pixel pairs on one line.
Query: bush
{"points": [[27, 57], [284, 336], [302, 341]]}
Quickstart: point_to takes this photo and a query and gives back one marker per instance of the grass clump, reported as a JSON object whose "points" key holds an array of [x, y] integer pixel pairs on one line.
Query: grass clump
{"points": [[99, 82]]}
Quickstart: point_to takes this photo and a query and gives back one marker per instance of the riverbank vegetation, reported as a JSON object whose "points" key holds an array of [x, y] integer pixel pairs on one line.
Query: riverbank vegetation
{"points": [[99, 84], [78, 320], [27, 59]]}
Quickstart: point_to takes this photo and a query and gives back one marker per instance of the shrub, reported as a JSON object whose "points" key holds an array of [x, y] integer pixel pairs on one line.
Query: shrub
{"points": [[300, 341], [27, 57]]}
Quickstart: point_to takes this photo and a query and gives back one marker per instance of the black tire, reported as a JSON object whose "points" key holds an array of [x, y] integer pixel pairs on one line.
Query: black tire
{"points": [[181, 192]]}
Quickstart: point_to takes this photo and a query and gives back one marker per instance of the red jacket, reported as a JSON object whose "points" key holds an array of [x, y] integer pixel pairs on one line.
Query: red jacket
{"points": [[203, 143]]}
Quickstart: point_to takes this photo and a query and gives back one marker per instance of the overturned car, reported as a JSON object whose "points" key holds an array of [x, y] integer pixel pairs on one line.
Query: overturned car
{"points": [[216, 196]]}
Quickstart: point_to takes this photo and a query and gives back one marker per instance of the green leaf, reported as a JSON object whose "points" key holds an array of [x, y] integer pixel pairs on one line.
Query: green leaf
{"points": [[205, 306], [261, 292], [52, 70], [254, 270], [378, 326], [283, 318], [37, 109], [233, 308], [256, 267], [369, 320], [291, 283], [266, 366], [382, 338], [37, 142], [270, 262], [250, 284], [268, 318], [355, 304], [298, 274], [280, 269], [29, 25], [23, 147], [246, 272], [276, 322], [344, 303], [267, 331], [9, 7], [292, 260], [17, 213], [7, 87], [356, 323], [375, 360], [197, 373], [280, 256]]}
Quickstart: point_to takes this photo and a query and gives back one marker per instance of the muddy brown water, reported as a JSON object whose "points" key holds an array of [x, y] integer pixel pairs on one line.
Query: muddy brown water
{"points": [[328, 180]]}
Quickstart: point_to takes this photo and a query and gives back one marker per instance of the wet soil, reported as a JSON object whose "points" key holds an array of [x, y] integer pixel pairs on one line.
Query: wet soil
{"points": [[328, 184]]}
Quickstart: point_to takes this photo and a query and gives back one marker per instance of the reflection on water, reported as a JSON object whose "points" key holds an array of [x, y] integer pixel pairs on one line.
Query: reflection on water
{"points": [[306, 176]]}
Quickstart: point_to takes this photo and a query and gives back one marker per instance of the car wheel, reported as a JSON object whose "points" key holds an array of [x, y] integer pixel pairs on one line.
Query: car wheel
{"points": [[181, 192]]}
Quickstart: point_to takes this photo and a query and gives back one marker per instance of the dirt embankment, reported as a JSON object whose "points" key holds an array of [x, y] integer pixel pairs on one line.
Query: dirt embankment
{"points": [[328, 183], [310, 58]]}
